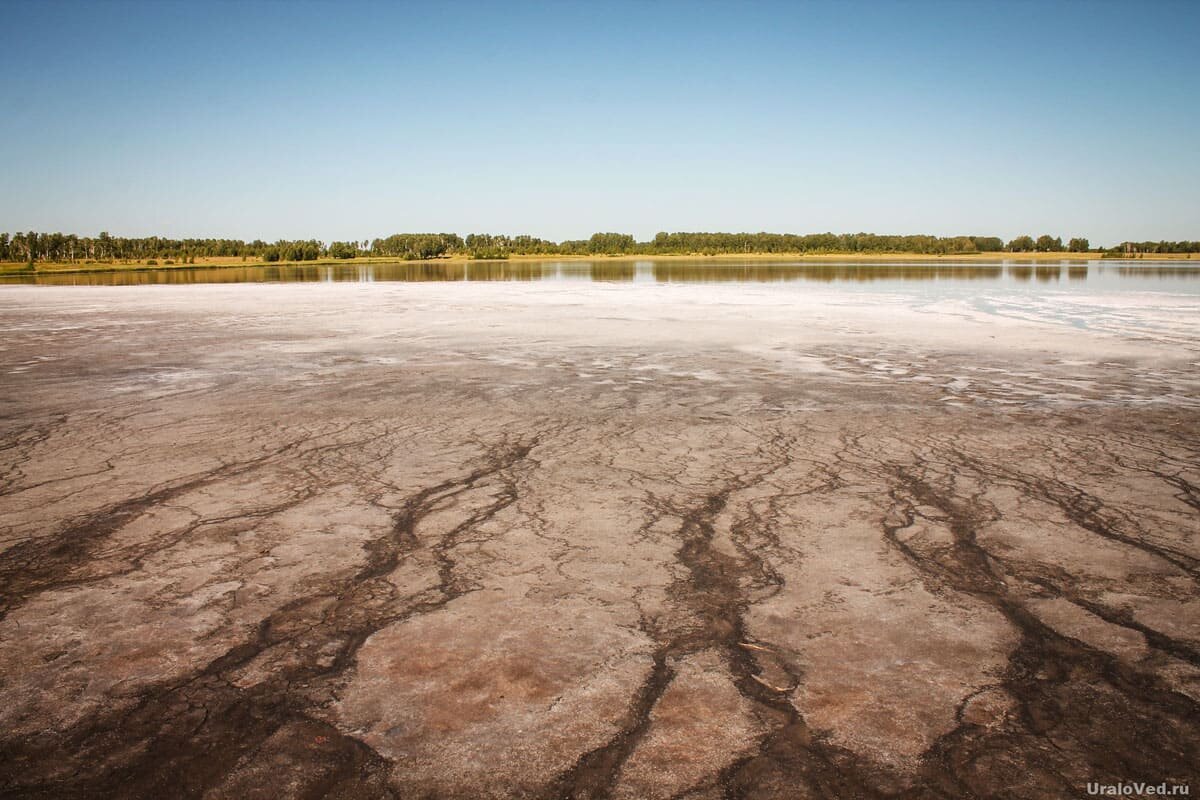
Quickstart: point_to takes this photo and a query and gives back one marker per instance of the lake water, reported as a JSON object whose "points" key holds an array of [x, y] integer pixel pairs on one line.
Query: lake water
{"points": [[1176, 277]]}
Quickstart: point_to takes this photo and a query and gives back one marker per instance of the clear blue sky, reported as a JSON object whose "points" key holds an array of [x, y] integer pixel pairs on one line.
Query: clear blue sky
{"points": [[346, 120]]}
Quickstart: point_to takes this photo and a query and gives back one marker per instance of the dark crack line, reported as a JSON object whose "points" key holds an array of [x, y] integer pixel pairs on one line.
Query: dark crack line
{"points": [[154, 749], [1044, 664]]}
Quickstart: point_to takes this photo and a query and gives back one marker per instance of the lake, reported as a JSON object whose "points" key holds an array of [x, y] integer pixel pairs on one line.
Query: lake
{"points": [[1065, 276]]}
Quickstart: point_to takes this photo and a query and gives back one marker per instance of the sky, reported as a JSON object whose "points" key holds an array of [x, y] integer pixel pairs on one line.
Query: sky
{"points": [[354, 120]]}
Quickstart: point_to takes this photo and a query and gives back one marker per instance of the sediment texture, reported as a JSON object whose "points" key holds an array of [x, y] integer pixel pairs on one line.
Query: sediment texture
{"points": [[555, 542]]}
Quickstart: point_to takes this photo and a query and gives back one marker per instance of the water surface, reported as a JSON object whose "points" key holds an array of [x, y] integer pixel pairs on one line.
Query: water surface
{"points": [[937, 277]]}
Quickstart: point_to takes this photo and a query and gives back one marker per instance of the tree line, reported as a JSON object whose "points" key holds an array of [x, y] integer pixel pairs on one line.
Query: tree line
{"points": [[1154, 247], [31, 246]]}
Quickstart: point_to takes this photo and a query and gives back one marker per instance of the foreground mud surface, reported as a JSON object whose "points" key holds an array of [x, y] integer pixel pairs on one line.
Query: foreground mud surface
{"points": [[553, 542]]}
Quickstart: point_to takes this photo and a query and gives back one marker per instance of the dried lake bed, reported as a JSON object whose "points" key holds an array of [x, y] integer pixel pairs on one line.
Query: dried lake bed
{"points": [[598, 539]]}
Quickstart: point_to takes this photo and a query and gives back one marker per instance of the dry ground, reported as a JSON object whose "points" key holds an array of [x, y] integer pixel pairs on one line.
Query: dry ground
{"points": [[463, 541]]}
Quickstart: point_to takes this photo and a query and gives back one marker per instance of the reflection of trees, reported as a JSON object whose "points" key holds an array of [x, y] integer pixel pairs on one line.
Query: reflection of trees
{"points": [[670, 272], [418, 271], [613, 271], [145, 277], [1151, 271], [490, 271], [623, 271]]}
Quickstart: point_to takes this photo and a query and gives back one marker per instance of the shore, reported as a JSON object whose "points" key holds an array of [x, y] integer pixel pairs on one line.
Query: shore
{"points": [[574, 540], [17, 269]]}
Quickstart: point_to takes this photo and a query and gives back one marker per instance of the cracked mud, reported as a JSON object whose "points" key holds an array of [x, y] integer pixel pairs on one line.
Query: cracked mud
{"points": [[442, 541]]}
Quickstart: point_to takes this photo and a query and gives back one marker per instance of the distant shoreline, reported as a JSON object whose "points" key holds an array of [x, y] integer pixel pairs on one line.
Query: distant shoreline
{"points": [[12, 269]]}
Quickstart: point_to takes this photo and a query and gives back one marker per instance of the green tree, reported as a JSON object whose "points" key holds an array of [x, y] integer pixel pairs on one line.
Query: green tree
{"points": [[1078, 245], [1047, 244], [988, 244], [343, 249], [611, 243], [1021, 244]]}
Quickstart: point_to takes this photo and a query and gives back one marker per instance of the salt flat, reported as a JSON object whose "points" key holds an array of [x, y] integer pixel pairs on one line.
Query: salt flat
{"points": [[596, 540]]}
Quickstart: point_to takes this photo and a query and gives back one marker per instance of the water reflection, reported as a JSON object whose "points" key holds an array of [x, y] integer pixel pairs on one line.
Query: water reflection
{"points": [[1159, 272], [667, 272], [1094, 275]]}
